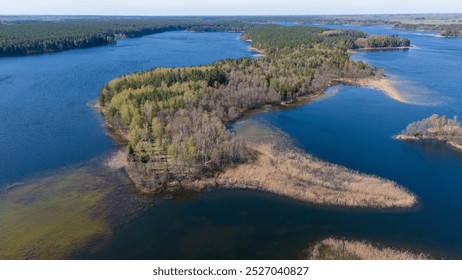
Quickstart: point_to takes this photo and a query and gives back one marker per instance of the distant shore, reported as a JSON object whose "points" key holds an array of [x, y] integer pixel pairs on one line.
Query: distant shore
{"points": [[260, 52]]}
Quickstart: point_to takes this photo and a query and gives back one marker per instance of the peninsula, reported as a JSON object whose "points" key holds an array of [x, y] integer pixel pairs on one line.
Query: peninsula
{"points": [[174, 119]]}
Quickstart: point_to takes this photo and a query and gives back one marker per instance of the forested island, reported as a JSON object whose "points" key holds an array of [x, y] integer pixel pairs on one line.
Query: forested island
{"points": [[174, 118], [438, 128]]}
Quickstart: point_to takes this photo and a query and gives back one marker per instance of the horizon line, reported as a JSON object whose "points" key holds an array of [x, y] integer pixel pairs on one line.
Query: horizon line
{"points": [[233, 15]]}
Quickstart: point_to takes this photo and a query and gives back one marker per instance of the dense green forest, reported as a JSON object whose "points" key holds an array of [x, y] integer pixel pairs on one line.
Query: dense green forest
{"points": [[174, 118], [30, 37]]}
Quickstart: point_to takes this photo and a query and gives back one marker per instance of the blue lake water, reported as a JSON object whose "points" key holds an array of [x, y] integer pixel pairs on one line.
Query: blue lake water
{"points": [[46, 124], [45, 120]]}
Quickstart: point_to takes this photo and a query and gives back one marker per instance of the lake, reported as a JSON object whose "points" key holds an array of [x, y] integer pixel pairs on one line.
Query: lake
{"points": [[350, 126]]}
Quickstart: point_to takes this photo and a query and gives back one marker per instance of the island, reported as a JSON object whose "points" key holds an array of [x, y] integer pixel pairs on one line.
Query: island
{"points": [[435, 128], [174, 120]]}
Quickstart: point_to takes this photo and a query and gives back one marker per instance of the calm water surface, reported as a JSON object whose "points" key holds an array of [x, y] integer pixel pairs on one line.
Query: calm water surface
{"points": [[46, 124]]}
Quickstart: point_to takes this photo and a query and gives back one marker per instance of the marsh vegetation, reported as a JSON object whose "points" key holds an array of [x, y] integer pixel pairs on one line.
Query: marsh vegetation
{"points": [[338, 249]]}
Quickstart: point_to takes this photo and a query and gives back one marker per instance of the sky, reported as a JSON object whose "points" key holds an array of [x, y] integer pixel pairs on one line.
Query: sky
{"points": [[228, 7]]}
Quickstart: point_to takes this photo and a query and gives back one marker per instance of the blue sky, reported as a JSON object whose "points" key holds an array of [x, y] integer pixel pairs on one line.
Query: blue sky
{"points": [[228, 7]]}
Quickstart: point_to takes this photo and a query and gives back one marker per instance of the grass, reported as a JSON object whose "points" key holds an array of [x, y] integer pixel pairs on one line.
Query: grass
{"points": [[336, 249], [51, 217]]}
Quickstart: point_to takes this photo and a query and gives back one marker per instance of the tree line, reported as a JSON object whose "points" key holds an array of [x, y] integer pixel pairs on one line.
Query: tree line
{"points": [[174, 118], [32, 37]]}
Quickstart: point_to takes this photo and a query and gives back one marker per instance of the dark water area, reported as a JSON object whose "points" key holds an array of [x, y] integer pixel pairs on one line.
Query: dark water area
{"points": [[45, 119]]}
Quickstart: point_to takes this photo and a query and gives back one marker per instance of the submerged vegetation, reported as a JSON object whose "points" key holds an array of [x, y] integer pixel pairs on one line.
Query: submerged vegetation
{"points": [[436, 127], [67, 214], [336, 249], [174, 118], [53, 217]]}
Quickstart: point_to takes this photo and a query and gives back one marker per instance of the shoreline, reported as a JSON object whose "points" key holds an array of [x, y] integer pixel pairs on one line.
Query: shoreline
{"points": [[382, 84], [384, 48], [452, 144], [260, 52]]}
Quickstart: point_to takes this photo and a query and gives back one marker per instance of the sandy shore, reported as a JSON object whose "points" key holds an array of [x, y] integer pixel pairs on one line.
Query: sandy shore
{"points": [[335, 249], [260, 52], [382, 84]]}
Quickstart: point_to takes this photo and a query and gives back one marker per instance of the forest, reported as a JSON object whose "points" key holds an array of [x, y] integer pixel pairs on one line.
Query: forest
{"points": [[445, 30], [32, 37], [175, 118], [26, 37], [280, 36]]}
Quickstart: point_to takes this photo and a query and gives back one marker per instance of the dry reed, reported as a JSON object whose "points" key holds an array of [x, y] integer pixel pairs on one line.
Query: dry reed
{"points": [[300, 176], [335, 249]]}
